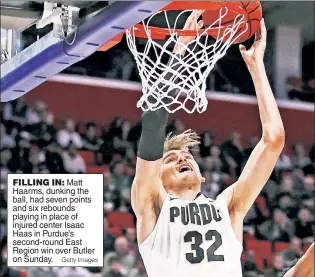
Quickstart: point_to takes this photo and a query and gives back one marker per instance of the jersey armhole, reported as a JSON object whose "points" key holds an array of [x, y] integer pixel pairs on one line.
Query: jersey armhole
{"points": [[166, 199], [224, 208]]}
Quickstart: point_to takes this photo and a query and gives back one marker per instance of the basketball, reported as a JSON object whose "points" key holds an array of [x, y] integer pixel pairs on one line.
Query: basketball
{"points": [[253, 14]]}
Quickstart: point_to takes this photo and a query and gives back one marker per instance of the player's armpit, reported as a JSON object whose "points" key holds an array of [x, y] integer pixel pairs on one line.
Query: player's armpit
{"points": [[243, 193], [147, 196], [147, 192]]}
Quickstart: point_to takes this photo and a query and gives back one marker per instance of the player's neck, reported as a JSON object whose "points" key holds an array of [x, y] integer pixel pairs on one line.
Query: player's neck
{"points": [[189, 194]]}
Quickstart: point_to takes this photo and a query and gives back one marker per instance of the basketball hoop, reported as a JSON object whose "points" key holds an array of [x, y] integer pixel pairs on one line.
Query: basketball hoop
{"points": [[186, 88]]}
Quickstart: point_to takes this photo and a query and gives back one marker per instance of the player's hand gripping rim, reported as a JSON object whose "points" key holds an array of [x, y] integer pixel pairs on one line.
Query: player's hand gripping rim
{"points": [[255, 55], [192, 23]]}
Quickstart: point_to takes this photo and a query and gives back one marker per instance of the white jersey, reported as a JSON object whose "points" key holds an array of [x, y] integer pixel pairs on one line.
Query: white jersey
{"points": [[193, 238]]}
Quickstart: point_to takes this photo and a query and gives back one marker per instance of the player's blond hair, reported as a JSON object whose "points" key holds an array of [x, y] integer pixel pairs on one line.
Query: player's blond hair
{"points": [[184, 141]]}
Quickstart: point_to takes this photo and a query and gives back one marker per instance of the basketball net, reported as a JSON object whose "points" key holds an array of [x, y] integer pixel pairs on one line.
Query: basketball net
{"points": [[186, 88]]}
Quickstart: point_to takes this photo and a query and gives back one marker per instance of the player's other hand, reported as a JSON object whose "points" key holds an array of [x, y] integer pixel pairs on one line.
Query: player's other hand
{"points": [[192, 23], [255, 55]]}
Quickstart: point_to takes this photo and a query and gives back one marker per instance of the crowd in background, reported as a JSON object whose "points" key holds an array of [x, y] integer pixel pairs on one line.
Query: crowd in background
{"points": [[31, 143]]}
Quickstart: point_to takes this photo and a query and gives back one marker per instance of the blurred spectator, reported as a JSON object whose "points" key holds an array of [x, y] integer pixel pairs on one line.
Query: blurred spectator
{"points": [[286, 205], [310, 88], [252, 274], [210, 187], [303, 226], [250, 221], [207, 164], [286, 185], [14, 113], [122, 65], [130, 158], [72, 161], [262, 209], [37, 159], [310, 169], [131, 236], [176, 126], [109, 241], [119, 177], [294, 88], [3, 197], [206, 143], [44, 132], [111, 193], [234, 147], [116, 138], [277, 266], [308, 191], [299, 158], [297, 177], [68, 135], [35, 113], [280, 228], [42, 272], [5, 162], [21, 153], [270, 191], [126, 260], [6, 140], [90, 141], [73, 272], [54, 160], [294, 252], [252, 143], [121, 140], [134, 134], [6, 271], [197, 156], [107, 148], [215, 154], [125, 202], [139, 270], [297, 90], [232, 154], [312, 153], [115, 268], [284, 162], [249, 264]]}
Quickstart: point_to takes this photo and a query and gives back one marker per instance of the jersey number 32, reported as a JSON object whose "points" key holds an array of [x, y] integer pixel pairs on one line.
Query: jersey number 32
{"points": [[196, 239]]}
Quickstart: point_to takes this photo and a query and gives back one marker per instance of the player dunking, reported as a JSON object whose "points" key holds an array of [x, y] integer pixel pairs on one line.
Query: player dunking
{"points": [[180, 231]]}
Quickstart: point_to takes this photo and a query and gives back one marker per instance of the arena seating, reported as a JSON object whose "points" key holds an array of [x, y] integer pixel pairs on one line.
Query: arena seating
{"points": [[263, 251], [119, 179], [279, 246], [121, 219], [96, 169], [88, 156]]}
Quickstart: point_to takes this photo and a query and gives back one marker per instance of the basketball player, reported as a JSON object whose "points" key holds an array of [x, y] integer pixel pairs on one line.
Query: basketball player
{"points": [[303, 267], [180, 231]]}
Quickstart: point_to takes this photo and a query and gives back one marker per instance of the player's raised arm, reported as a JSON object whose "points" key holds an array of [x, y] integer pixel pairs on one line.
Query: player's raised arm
{"points": [[242, 194], [148, 193], [146, 187]]}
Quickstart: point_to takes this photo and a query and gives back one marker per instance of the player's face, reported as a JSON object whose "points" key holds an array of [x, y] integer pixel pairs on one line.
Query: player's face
{"points": [[180, 171]]}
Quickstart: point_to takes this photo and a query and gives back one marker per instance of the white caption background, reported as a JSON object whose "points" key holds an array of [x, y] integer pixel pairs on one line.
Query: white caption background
{"points": [[66, 244]]}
